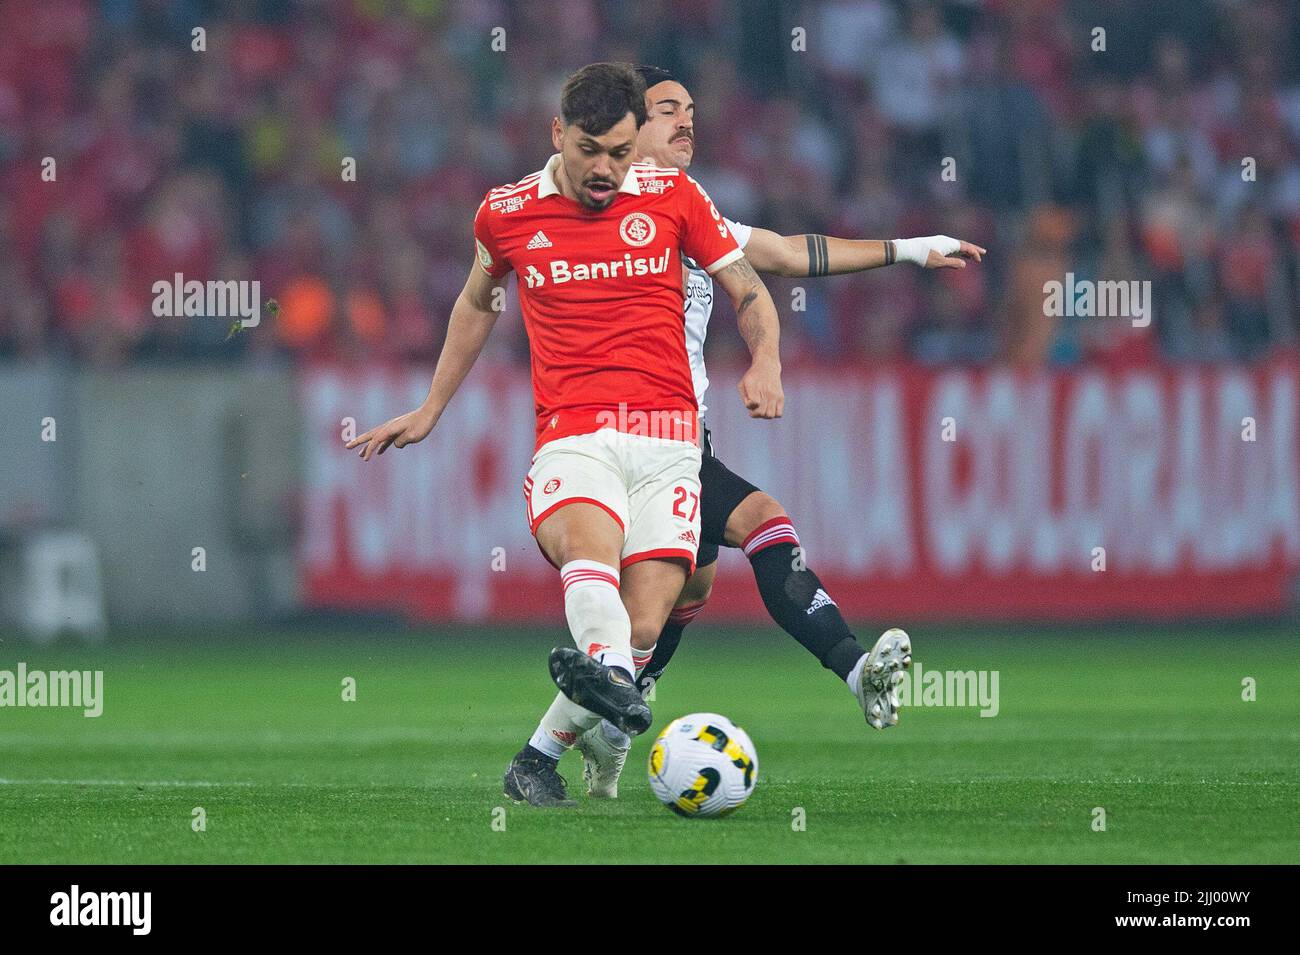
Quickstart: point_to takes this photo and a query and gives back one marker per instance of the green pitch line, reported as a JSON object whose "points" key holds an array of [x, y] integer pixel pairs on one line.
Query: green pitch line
{"points": [[1148, 725]]}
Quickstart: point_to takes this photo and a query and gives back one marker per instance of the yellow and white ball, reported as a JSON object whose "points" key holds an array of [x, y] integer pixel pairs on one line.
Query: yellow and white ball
{"points": [[703, 765]]}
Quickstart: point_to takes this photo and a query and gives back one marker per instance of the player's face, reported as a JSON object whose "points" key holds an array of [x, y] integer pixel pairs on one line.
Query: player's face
{"points": [[668, 136], [595, 166]]}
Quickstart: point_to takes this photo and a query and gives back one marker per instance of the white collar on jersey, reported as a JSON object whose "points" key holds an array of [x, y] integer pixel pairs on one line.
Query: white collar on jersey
{"points": [[547, 187]]}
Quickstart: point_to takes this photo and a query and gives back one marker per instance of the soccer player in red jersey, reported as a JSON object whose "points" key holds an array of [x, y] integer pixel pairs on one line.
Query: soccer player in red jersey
{"points": [[597, 242]]}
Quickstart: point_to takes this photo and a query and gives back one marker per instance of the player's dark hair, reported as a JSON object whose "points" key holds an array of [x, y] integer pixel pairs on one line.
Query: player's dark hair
{"points": [[654, 75], [599, 95]]}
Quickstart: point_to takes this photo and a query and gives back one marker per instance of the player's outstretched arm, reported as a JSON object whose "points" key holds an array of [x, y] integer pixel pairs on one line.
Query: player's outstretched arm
{"points": [[472, 318], [815, 255], [760, 388]]}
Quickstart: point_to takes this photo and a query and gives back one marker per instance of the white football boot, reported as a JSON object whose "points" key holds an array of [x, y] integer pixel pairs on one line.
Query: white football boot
{"points": [[877, 689], [604, 750]]}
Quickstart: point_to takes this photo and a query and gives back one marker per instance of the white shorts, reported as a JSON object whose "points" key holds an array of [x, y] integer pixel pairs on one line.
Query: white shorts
{"points": [[651, 486]]}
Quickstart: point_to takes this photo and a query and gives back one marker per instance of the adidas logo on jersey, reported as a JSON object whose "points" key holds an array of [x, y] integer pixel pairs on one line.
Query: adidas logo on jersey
{"points": [[539, 241], [821, 599]]}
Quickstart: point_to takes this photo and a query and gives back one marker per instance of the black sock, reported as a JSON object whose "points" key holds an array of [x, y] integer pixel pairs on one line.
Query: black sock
{"points": [[533, 753], [666, 646], [790, 591]]}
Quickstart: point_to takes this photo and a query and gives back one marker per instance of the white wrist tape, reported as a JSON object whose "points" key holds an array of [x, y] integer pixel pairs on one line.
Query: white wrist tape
{"points": [[918, 250]]}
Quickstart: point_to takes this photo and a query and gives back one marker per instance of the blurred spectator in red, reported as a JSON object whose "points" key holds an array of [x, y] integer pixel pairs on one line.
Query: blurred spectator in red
{"points": [[336, 151]]}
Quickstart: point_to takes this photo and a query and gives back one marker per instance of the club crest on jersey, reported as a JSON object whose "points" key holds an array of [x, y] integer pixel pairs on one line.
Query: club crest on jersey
{"points": [[637, 229]]}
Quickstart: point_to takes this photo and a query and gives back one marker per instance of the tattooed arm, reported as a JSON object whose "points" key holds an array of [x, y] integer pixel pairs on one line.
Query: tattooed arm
{"points": [[760, 389]]}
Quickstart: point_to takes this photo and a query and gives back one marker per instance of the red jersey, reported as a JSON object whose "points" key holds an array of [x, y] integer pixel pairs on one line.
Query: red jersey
{"points": [[602, 294]]}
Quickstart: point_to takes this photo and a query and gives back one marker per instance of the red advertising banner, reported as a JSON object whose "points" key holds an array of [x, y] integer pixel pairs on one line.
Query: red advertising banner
{"points": [[918, 494]]}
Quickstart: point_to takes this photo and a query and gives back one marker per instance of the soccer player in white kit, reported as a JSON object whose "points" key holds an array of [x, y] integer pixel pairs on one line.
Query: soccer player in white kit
{"points": [[734, 512]]}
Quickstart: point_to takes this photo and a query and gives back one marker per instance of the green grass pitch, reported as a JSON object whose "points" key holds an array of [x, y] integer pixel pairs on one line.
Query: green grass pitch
{"points": [[1148, 724]]}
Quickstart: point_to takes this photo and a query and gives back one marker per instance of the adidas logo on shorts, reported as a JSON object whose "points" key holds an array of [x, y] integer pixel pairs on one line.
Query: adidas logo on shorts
{"points": [[539, 241], [689, 537]]}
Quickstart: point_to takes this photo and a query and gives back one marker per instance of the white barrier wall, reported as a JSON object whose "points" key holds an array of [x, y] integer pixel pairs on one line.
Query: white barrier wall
{"points": [[154, 463]]}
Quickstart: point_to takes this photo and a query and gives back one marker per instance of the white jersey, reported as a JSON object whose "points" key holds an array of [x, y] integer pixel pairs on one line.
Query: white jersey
{"points": [[699, 306]]}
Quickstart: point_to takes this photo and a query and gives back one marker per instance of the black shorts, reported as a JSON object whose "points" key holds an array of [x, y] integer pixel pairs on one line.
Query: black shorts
{"points": [[721, 491]]}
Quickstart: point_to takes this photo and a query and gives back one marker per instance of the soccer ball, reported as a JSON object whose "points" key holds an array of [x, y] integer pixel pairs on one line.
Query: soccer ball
{"points": [[703, 765]]}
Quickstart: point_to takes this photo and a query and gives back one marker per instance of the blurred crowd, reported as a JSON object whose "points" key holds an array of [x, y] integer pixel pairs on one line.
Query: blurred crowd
{"points": [[1166, 149]]}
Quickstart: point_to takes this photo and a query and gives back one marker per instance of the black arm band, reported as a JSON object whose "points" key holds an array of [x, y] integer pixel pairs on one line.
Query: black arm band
{"points": [[819, 261]]}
